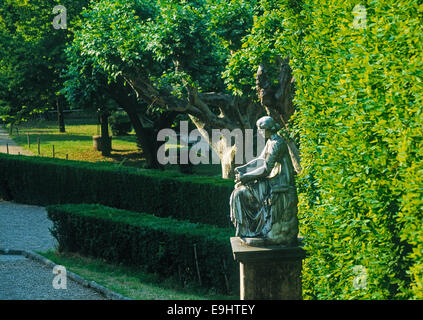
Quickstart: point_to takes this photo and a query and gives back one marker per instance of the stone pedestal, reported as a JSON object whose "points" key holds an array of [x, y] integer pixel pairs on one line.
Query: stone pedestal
{"points": [[269, 273]]}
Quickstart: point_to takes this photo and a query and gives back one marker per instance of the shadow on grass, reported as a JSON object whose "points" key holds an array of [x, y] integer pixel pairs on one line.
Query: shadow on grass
{"points": [[49, 138], [78, 145], [126, 138], [128, 158]]}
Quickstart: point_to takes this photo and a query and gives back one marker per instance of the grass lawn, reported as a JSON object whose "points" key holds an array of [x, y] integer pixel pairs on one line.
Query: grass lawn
{"points": [[130, 282], [77, 144]]}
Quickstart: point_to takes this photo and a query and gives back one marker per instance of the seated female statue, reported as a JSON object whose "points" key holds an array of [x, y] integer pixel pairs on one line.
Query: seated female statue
{"points": [[264, 201]]}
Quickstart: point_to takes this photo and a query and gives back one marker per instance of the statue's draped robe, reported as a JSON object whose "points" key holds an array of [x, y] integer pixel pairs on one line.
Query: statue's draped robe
{"points": [[267, 207]]}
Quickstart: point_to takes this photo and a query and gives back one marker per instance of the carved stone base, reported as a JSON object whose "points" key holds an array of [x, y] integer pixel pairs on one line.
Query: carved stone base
{"points": [[268, 273]]}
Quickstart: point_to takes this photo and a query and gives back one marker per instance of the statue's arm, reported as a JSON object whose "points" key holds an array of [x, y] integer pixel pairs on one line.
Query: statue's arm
{"points": [[249, 170], [252, 164], [256, 162], [257, 173], [240, 168], [264, 169]]}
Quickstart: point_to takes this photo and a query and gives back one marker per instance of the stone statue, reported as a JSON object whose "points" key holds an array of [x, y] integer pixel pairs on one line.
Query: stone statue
{"points": [[264, 202]]}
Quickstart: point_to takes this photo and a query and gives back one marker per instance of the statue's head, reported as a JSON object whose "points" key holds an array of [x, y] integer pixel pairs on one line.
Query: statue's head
{"points": [[267, 126]]}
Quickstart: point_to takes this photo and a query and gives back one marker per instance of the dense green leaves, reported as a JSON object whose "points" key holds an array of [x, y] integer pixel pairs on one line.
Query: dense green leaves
{"points": [[160, 245], [359, 98], [233, 20], [174, 42], [169, 41], [32, 54]]}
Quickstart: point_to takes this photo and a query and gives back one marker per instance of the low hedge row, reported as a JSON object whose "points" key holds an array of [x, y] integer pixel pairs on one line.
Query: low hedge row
{"points": [[44, 181], [165, 246]]}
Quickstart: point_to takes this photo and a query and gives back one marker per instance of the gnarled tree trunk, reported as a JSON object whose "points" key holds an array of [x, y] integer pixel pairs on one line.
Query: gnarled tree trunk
{"points": [[224, 111], [146, 135]]}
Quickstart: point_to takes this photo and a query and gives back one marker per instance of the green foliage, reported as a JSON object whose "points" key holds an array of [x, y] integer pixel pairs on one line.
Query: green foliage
{"points": [[359, 98], [85, 83], [32, 55], [232, 20], [258, 47], [161, 245], [171, 41], [120, 124], [274, 35], [46, 181]]}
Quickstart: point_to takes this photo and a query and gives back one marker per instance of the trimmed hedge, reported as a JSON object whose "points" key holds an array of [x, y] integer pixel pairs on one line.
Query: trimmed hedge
{"points": [[359, 100], [44, 181], [161, 245]]}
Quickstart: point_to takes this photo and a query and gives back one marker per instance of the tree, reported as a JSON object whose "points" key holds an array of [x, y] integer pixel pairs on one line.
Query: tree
{"points": [[88, 86], [32, 57], [173, 55]]}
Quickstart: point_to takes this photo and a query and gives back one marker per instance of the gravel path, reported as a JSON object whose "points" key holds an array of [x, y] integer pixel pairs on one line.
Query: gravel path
{"points": [[13, 147], [25, 279], [24, 227]]}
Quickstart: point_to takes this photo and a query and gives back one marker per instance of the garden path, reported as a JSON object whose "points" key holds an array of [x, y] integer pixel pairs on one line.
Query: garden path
{"points": [[25, 227], [7, 142]]}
